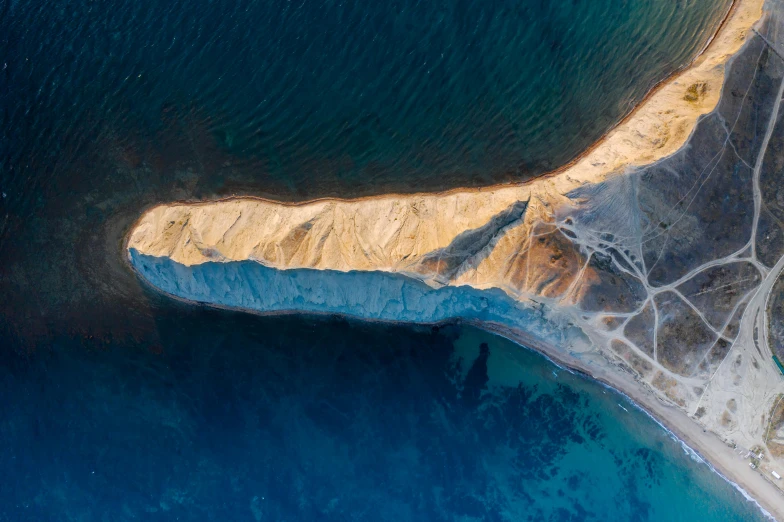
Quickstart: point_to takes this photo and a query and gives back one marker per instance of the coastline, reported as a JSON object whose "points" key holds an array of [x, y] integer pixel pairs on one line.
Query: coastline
{"points": [[706, 445], [610, 155], [619, 147]]}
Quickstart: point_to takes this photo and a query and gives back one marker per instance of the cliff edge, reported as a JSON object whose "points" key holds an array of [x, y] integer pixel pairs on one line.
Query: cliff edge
{"points": [[649, 261]]}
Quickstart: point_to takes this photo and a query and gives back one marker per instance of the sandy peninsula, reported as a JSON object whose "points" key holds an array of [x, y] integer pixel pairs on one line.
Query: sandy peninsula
{"points": [[646, 263]]}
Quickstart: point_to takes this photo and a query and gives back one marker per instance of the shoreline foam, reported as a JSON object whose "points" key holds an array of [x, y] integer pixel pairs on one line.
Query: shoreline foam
{"points": [[707, 446]]}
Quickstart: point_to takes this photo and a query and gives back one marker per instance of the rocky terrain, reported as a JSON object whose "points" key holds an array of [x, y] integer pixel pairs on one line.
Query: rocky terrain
{"points": [[654, 255]]}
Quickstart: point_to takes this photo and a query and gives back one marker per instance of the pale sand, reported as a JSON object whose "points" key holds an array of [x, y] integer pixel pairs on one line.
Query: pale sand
{"points": [[657, 127]]}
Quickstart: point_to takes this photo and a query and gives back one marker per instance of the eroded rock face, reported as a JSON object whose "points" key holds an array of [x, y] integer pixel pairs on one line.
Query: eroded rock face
{"points": [[662, 269]]}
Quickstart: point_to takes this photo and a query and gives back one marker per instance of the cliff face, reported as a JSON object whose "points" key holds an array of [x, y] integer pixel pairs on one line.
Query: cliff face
{"points": [[661, 266]]}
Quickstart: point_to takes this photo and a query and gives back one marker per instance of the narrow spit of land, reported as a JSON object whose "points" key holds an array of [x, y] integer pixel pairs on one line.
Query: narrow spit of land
{"points": [[557, 243]]}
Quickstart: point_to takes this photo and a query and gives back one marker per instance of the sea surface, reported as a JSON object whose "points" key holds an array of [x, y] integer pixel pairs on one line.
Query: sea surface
{"points": [[341, 97], [118, 404], [302, 418]]}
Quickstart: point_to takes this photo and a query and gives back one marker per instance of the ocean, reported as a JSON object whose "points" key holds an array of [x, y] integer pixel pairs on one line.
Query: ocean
{"points": [[120, 404], [240, 417]]}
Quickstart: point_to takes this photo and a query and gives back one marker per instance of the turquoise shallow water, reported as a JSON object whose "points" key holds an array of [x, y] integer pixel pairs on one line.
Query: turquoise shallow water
{"points": [[247, 418]]}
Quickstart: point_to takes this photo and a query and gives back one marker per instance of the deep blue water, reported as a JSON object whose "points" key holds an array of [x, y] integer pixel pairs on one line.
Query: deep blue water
{"points": [[119, 404], [247, 418], [324, 96]]}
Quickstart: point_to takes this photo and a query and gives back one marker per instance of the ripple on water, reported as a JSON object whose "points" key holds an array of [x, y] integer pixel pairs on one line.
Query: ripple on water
{"points": [[405, 95]]}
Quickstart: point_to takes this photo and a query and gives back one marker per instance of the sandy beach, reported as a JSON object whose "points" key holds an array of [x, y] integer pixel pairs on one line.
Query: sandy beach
{"points": [[707, 445]]}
